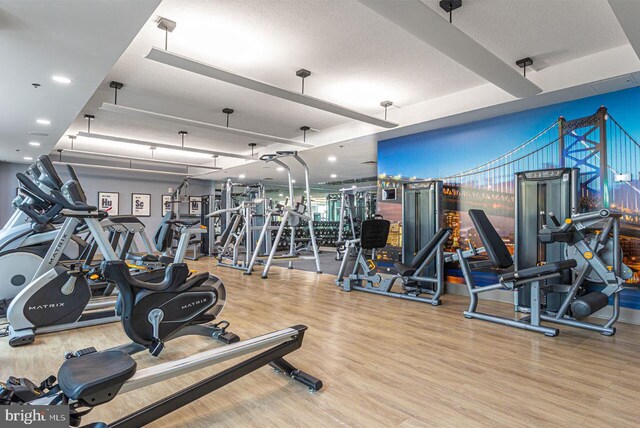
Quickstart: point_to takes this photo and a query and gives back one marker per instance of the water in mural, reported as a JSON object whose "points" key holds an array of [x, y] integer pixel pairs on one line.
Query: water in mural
{"points": [[477, 163]]}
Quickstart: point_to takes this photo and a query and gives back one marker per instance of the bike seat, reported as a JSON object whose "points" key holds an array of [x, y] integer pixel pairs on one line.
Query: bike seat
{"points": [[536, 271], [95, 378]]}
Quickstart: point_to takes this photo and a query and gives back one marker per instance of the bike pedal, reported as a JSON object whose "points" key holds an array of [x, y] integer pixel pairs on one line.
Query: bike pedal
{"points": [[85, 351], [156, 347]]}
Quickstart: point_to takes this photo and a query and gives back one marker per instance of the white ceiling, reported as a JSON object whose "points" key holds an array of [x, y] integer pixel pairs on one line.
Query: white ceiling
{"points": [[74, 38], [357, 59]]}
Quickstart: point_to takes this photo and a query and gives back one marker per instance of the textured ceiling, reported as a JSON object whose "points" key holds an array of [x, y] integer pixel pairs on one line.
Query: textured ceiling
{"points": [[357, 59], [74, 38]]}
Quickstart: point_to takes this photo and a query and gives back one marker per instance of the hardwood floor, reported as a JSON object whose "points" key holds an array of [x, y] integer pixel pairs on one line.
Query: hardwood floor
{"points": [[384, 362]]}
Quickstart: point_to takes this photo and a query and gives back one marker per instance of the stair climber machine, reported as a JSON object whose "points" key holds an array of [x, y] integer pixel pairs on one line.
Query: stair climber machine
{"points": [[89, 378], [293, 216], [563, 273], [59, 298]]}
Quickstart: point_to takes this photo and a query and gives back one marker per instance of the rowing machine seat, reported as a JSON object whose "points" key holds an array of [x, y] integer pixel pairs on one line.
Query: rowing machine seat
{"points": [[95, 378]]}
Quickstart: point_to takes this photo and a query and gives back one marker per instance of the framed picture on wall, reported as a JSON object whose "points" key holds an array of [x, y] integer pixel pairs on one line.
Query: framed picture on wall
{"points": [[166, 204], [141, 204], [195, 205], [109, 201]]}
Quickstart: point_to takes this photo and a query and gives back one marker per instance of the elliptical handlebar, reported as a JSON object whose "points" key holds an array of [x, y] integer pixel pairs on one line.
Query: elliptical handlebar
{"points": [[55, 197]]}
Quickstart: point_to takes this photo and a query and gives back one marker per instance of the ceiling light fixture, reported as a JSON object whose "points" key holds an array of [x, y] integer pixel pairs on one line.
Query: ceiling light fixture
{"points": [[61, 79], [334, 175], [331, 158], [194, 66], [280, 169], [43, 122], [120, 168], [241, 176], [102, 137], [293, 181], [27, 158], [130, 111], [129, 158], [34, 143], [426, 24]]}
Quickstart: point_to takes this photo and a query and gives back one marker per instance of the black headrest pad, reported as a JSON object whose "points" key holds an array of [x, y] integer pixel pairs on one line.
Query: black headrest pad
{"points": [[494, 245]]}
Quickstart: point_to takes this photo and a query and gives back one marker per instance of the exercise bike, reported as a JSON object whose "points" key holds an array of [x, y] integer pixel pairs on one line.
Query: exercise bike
{"points": [[89, 378], [59, 297]]}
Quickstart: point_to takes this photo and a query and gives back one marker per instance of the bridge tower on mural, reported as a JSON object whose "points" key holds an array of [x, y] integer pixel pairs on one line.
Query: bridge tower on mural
{"points": [[583, 144]]}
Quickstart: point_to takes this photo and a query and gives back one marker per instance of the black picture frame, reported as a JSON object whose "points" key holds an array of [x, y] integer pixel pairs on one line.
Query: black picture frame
{"points": [[114, 209], [145, 209]]}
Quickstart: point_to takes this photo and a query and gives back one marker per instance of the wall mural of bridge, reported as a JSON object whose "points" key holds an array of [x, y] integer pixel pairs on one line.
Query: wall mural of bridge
{"points": [[478, 161]]}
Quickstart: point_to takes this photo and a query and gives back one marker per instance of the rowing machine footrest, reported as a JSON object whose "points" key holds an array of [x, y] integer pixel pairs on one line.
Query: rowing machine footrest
{"points": [[589, 304]]}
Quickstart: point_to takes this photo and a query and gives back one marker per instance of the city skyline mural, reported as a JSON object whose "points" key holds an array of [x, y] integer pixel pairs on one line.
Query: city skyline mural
{"points": [[477, 163]]}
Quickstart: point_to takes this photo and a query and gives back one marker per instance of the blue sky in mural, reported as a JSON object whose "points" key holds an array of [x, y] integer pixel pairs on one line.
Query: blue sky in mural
{"points": [[447, 151]]}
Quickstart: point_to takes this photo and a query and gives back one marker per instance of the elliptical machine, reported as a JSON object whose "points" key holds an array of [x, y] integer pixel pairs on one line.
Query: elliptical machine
{"points": [[59, 297]]}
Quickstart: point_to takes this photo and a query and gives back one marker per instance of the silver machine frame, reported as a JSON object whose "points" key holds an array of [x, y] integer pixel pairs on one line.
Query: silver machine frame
{"points": [[588, 251], [286, 213], [266, 350], [347, 202], [240, 220]]}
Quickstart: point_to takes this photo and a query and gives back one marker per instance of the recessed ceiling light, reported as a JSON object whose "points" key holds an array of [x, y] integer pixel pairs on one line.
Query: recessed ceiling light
{"points": [[293, 181], [61, 79], [27, 158], [331, 158], [34, 143], [281, 195], [334, 175], [354, 186], [241, 176], [280, 168], [43, 122]]}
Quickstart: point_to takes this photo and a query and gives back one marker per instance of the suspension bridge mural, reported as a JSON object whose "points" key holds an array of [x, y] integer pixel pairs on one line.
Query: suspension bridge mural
{"points": [[478, 161]]}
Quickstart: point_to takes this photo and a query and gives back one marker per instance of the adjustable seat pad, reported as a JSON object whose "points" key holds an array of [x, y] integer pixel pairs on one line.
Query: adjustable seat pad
{"points": [[536, 271], [95, 378], [408, 270]]}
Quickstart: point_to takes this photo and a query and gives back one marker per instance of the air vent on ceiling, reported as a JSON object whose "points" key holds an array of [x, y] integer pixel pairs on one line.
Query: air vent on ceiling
{"points": [[370, 162], [39, 134], [613, 84], [268, 179]]}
